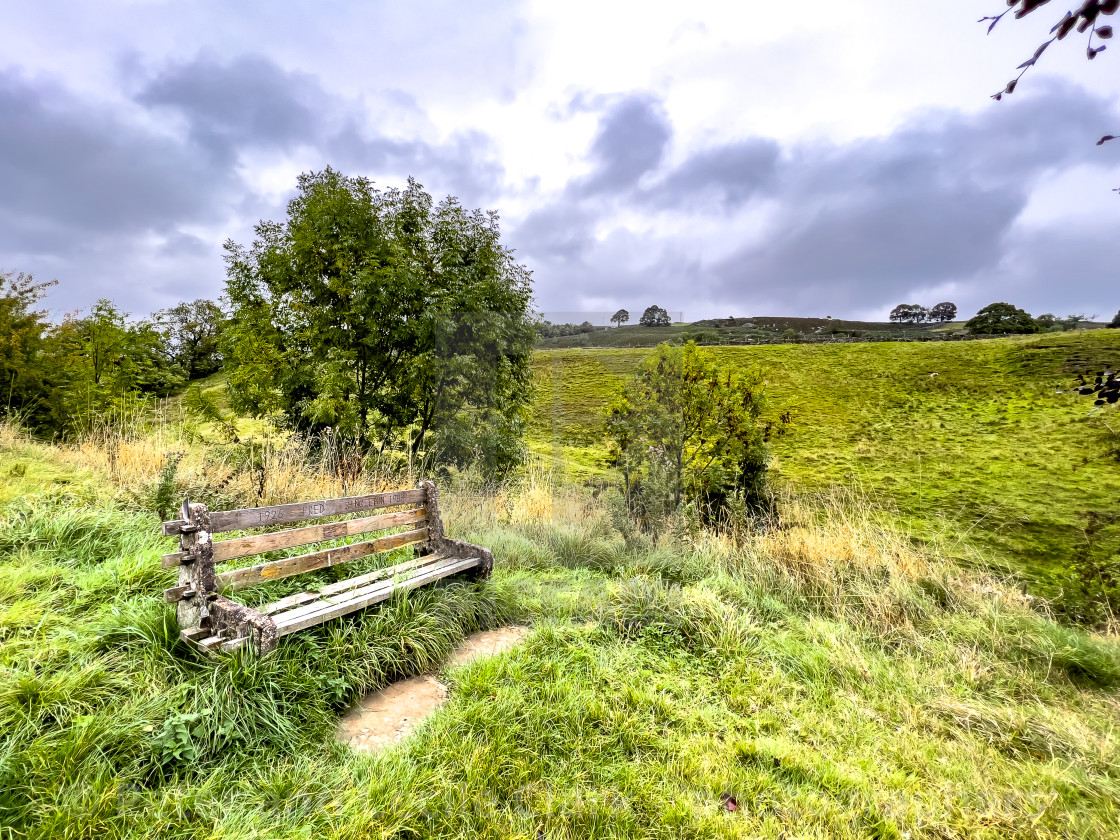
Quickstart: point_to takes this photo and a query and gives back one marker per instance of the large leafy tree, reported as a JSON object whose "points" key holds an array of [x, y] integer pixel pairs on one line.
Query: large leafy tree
{"points": [[687, 427], [1001, 318], [620, 317], [380, 315]]}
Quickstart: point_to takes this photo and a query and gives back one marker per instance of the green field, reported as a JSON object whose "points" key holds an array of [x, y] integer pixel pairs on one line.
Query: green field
{"points": [[985, 452], [825, 680], [837, 674]]}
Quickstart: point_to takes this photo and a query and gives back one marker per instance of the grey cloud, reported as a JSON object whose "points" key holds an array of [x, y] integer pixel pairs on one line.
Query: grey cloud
{"points": [[557, 233], [728, 175], [864, 223], [246, 101], [466, 166], [631, 141], [69, 168], [853, 227]]}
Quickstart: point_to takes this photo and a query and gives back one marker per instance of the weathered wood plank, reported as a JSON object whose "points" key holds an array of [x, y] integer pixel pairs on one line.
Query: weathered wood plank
{"points": [[234, 644], [301, 598], [176, 593], [279, 569], [260, 543], [380, 592], [337, 594], [239, 520]]}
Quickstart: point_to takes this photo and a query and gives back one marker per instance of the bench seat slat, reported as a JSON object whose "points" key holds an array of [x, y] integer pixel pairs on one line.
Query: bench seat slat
{"points": [[324, 610], [301, 598], [279, 569], [260, 543], [355, 587], [246, 518]]}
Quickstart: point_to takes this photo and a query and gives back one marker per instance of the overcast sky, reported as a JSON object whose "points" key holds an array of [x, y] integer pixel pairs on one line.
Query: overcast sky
{"points": [[714, 158]]}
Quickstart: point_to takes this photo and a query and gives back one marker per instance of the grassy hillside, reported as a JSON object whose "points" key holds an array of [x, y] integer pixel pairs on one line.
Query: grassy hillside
{"points": [[828, 678], [985, 452], [763, 329]]}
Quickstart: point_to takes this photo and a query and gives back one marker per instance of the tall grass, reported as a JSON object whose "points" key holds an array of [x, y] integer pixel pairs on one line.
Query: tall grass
{"points": [[824, 672]]}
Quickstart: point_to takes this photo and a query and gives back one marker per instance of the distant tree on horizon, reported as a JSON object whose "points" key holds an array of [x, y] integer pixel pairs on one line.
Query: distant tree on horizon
{"points": [[944, 311], [909, 313], [1002, 318], [620, 317], [655, 316]]}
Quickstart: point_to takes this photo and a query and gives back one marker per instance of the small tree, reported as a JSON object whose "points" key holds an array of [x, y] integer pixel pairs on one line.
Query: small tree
{"points": [[944, 311], [1046, 320], [620, 317], [687, 427], [1115, 322], [1001, 318], [193, 334], [655, 316]]}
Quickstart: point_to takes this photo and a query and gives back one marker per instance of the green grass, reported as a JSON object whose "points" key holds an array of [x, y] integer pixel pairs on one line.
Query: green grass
{"points": [[985, 452], [839, 700], [839, 676]]}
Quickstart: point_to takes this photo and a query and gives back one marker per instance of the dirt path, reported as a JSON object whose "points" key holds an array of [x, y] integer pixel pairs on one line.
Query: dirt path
{"points": [[385, 717]]}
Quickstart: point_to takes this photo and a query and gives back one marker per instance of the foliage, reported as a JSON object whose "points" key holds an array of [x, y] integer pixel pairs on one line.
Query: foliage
{"points": [[1046, 320], [655, 316], [378, 315], [988, 453], [193, 336], [909, 313], [104, 362], [620, 317], [1084, 19], [26, 373], [547, 329], [1115, 322], [944, 311], [687, 428], [1001, 319]]}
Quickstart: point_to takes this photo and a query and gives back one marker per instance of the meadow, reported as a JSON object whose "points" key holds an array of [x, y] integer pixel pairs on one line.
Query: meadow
{"points": [[978, 443], [837, 672]]}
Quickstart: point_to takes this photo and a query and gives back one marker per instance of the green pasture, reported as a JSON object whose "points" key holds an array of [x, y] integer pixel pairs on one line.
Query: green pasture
{"points": [[676, 691], [967, 439]]}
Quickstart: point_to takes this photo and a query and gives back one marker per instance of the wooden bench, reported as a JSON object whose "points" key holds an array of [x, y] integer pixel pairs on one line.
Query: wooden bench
{"points": [[213, 623]]}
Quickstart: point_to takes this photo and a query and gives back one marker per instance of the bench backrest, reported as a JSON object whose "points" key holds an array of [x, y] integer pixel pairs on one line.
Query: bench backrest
{"points": [[417, 511]]}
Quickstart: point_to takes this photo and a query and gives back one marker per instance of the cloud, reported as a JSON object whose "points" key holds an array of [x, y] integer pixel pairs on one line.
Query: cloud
{"points": [[68, 165], [934, 206], [728, 175], [466, 165], [631, 141], [248, 101], [115, 200]]}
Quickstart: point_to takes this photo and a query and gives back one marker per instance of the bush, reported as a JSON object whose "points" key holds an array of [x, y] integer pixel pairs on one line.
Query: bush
{"points": [[687, 428]]}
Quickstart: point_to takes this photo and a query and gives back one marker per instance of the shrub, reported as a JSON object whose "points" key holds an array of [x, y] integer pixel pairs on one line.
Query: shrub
{"points": [[687, 427]]}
